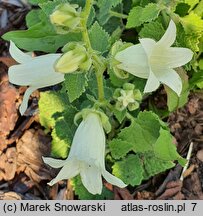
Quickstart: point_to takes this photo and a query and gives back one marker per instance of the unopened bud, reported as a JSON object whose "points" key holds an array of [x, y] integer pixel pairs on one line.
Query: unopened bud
{"points": [[65, 18], [76, 57]]}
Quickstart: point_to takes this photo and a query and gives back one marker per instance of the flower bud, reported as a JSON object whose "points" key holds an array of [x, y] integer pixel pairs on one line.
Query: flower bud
{"points": [[127, 97], [117, 47], [65, 18], [75, 57]]}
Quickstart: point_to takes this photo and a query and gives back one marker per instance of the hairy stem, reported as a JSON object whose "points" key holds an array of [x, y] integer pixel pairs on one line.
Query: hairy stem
{"points": [[85, 16], [97, 61]]}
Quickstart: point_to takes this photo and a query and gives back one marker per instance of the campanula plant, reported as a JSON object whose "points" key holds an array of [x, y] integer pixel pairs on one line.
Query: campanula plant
{"points": [[102, 129]]}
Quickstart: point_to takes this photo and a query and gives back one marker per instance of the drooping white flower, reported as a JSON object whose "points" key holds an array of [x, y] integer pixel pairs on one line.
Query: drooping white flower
{"points": [[86, 157], [155, 61], [35, 72]]}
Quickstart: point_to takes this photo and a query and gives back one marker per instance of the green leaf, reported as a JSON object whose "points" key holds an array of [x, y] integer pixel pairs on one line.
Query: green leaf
{"points": [[152, 30], [75, 84], [65, 127], [127, 5], [49, 104], [196, 80], [99, 38], [129, 170], [140, 136], [91, 17], [142, 133], [81, 3], [200, 85], [112, 24], [173, 101], [164, 149], [59, 147], [192, 3], [193, 31], [134, 17], [139, 15], [33, 17], [119, 148], [63, 132], [190, 40], [182, 9], [35, 39], [104, 9], [150, 140], [120, 115], [83, 194], [139, 83], [142, 3], [192, 23], [199, 9], [153, 165], [40, 37]]}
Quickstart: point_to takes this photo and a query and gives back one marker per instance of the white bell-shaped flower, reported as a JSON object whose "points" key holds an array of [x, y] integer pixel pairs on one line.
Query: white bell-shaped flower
{"points": [[35, 72], [86, 157], [155, 61]]}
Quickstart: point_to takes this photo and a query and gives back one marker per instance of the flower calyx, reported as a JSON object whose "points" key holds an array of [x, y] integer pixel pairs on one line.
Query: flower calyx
{"points": [[117, 47], [103, 117]]}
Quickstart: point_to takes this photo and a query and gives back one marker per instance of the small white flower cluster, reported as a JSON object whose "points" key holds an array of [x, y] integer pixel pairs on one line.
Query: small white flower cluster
{"points": [[150, 60]]}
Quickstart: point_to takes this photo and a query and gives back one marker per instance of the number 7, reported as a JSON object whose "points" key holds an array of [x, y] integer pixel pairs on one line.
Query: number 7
{"points": [[194, 205]]}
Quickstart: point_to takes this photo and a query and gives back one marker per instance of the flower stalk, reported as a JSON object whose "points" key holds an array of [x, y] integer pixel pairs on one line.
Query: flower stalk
{"points": [[97, 61]]}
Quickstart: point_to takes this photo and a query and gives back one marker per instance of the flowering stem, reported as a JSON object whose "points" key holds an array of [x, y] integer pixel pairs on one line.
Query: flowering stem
{"points": [[97, 61], [84, 19], [130, 117], [99, 68]]}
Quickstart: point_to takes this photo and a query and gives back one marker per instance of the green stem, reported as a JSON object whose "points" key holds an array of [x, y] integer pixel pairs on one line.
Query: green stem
{"points": [[97, 61], [100, 85], [119, 15], [99, 68], [85, 16], [198, 55], [130, 117]]}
